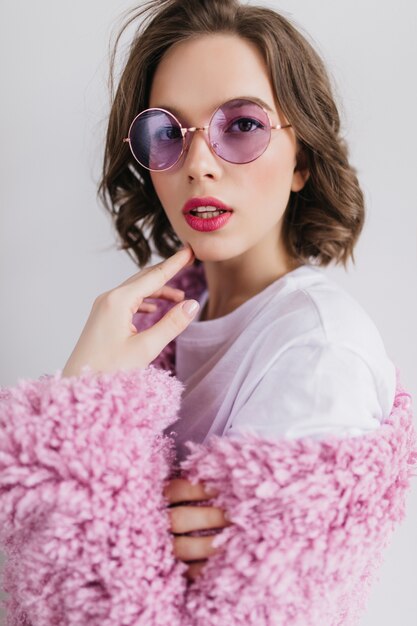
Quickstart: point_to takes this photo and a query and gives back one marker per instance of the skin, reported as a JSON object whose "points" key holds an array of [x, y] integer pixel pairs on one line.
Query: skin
{"points": [[192, 550], [109, 340]]}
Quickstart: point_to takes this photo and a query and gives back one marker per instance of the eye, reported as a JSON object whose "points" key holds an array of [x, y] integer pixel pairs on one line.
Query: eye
{"points": [[245, 125], [168, 133]]}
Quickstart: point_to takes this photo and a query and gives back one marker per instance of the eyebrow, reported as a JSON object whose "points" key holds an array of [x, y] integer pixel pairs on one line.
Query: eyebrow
{"points": [[259, 101]]}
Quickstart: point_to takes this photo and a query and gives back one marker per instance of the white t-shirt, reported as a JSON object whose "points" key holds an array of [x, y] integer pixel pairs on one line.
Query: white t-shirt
{"points": [[299, 358]]}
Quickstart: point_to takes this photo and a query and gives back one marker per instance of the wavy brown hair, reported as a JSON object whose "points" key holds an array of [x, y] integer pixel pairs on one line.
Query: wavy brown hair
{"points": [[322, 222]]}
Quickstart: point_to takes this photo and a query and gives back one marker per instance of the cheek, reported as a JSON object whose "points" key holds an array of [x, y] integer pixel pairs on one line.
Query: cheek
{"points": [[163, 188], [268, 179], [158, 184]]}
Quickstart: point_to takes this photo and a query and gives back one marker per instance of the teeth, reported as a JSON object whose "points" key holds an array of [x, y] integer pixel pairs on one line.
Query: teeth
{"points": [[207, 211], [210, 214], [204, 209]]}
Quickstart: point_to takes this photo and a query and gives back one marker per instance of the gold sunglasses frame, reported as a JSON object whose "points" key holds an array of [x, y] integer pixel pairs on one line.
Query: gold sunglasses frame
{"points": [[193, 129]]}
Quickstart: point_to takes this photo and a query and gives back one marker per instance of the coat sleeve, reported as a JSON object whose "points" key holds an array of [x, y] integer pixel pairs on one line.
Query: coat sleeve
{"points": [[310, 521], [83, 521]]}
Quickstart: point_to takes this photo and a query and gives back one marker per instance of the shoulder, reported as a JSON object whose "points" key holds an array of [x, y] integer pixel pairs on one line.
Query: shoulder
{"points": [[315, 309], [322, 343]]}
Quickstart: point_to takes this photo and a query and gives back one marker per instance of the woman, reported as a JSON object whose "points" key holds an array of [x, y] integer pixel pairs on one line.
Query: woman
{"points": [[223, 137]]}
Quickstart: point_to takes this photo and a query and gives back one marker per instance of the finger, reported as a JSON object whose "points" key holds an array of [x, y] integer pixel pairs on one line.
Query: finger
{"points": [[185, 519], [194, 569], [155, 277], [182, 490], [166, 293], [149, 268], [147, 307], [193, 548], [153, 340]]}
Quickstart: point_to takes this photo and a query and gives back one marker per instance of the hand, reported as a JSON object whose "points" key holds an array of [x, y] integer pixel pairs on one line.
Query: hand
{"points": [[185, 519], [110, 341]]}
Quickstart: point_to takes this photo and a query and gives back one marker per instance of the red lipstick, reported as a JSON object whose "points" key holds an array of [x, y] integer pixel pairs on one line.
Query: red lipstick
{"points": [[206, 223]]}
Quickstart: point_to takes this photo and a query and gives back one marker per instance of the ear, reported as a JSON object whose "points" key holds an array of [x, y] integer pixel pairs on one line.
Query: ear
{"points": [[301, 172]]}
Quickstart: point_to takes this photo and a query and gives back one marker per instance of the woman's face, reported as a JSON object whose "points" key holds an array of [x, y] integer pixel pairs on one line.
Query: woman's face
{"points": [[192, 80]]}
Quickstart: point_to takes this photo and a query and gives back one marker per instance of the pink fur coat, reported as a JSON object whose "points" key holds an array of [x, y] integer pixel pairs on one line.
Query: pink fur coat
{"points": [[84, 523]]}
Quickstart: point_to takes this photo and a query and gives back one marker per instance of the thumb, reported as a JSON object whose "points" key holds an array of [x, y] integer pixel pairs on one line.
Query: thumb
{"points": [[172, 324]]}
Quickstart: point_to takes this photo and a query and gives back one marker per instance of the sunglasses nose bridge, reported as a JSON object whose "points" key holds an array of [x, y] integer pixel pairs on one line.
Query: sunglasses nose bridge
{"points": [[187, 134]]}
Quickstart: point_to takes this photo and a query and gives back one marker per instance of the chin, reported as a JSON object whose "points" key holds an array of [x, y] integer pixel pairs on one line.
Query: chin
{"points": [[212, 248]]}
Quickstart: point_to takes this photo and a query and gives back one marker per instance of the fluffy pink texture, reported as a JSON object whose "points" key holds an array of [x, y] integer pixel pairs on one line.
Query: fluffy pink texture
{"points": [[82, 515], [311, 519], [83, 463], [84, 523]]}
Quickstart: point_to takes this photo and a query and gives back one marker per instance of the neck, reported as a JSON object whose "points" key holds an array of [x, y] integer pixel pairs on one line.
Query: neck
{"points": [[233, 281]]}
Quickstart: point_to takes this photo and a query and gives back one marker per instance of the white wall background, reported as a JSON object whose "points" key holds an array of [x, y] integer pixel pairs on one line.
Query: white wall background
{"points": [[57, 246]]}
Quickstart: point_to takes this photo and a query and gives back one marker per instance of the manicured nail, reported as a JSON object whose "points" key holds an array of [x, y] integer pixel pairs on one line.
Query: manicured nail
{"points": [[190, 307]]}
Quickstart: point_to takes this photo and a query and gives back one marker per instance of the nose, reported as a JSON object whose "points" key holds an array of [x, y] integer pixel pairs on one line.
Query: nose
{"points": [[199, 157]]}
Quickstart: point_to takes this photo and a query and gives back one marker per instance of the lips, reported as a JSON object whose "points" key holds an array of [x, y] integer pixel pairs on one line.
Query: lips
{"points": [[206, 224], [193, 203]]}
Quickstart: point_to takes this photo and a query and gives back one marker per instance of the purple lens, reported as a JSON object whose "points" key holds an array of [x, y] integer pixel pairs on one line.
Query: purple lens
{"points": [[156, 139], [239, 133]]}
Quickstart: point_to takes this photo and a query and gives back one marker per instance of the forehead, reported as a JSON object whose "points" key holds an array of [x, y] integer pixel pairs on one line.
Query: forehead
{"points": [[197, 75], [236, 102]]}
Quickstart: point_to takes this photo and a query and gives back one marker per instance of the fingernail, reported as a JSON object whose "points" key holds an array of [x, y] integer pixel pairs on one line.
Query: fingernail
{"points": [[190, 307]]}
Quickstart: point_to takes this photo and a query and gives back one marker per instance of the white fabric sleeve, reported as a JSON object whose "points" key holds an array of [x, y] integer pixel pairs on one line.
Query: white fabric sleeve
{"points": [[312, 390]]}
